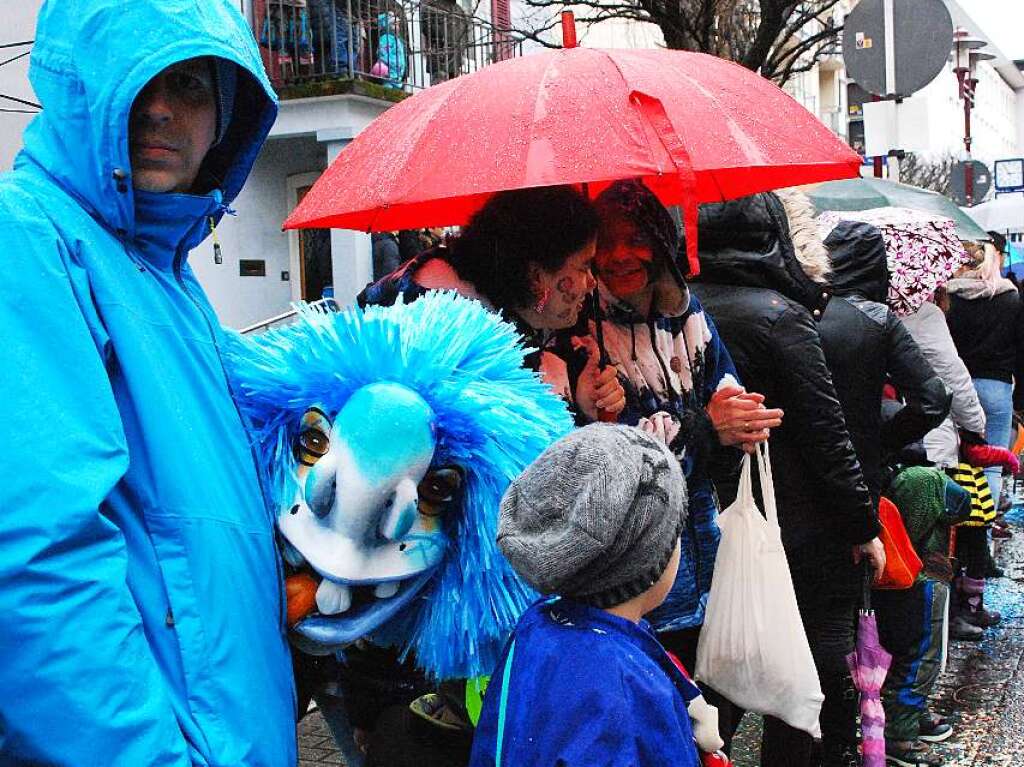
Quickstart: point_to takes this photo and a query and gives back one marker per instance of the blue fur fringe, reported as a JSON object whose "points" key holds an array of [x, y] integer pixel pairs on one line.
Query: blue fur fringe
{"points": [[493, 415]]}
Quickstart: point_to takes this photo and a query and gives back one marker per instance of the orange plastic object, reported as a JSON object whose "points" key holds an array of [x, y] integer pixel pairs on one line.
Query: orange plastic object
{"points": [[300, 592], [902, 564], [1018, 444]]}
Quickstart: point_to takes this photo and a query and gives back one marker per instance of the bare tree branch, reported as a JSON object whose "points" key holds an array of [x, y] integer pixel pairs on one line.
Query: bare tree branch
{"points": [[778, 38], [928, 173], [800, 57]]}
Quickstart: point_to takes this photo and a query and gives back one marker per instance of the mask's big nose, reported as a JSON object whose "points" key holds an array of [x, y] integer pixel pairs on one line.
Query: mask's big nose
{"points": [[382, 444], [398, 517], [388, 429], [321, 484]]}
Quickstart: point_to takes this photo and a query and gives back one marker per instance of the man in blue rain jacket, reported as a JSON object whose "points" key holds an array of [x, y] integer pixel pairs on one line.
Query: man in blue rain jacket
{"points": [[139, 585]]}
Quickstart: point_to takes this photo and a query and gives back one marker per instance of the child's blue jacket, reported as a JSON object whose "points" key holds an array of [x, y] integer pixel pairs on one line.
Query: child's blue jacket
{"points": [[579, 687]]}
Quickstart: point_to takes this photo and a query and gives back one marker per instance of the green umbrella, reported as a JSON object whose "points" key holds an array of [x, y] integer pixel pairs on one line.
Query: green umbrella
{"points": [[868, 193]]}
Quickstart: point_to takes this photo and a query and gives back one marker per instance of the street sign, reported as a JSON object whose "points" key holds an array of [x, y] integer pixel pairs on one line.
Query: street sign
{"points": [[891, 125], [920, 37], [982, 181], [1009, 175]]}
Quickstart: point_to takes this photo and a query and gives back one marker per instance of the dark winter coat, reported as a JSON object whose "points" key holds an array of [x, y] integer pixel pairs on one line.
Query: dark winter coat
{"points": [[989, 336], [386, 257], [863, 342], [765, 308]]}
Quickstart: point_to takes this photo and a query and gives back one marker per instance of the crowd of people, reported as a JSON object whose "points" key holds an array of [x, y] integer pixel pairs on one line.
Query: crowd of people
{"points": [[138, 568], [859, 406]]}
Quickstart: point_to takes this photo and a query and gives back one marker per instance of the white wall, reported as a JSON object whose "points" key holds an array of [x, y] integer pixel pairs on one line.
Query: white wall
{"points": [[995, 122], [804, 87], [619, 33], [1020, 121], [256, 233], [19, 23]]}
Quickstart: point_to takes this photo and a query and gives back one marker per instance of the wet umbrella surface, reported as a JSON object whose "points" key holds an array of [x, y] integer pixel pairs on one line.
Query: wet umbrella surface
{"points": [[865, 193], [696, 128]]}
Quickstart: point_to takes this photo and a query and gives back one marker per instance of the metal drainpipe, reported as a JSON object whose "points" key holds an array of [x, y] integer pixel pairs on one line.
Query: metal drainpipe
{"points": [[350, 63], [417, 65]]}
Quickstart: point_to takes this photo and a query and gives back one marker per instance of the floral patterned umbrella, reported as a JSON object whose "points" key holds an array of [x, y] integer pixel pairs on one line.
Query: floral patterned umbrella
{"points": [[923, 250]]}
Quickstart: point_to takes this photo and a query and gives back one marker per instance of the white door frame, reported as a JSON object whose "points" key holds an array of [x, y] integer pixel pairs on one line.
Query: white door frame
{"points": [[294, 184]]}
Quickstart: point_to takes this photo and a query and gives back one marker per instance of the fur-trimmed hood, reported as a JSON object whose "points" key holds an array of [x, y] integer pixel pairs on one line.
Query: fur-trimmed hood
{"points": [[810, 250], [767, 240]]}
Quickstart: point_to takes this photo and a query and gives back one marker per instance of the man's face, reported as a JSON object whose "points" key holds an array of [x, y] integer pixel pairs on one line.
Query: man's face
{"points": [[172, 126]]}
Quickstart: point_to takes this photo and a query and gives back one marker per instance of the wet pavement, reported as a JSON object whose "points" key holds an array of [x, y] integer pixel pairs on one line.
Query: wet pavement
{"points": [[983, 687], [316, 746], [982, 690]]}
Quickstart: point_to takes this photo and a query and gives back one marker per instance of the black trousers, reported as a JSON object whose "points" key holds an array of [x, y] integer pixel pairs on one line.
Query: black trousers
{"points": [[972, 550]]}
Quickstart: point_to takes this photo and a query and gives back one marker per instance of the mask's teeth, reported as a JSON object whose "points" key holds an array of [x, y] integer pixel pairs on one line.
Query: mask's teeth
{"points": [[333, 598], [386, 590], [292, 555]]}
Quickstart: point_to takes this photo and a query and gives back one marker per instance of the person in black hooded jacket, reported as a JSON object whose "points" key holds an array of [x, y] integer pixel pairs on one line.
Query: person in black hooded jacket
{"points": [[864, 342], [766, 295]]}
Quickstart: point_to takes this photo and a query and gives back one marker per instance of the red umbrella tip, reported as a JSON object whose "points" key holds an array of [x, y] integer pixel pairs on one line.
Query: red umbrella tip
{"points": [[568, 29]]}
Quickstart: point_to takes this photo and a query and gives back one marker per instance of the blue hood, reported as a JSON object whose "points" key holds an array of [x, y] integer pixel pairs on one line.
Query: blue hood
{"points": [[93, 57]]}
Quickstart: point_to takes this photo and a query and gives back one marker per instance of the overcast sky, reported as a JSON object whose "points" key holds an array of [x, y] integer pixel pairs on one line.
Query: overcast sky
{"points": [[1002, 21]]}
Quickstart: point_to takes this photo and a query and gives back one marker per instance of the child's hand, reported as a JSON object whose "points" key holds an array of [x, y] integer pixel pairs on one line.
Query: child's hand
{"points": [[661, 426], [704, 720]]}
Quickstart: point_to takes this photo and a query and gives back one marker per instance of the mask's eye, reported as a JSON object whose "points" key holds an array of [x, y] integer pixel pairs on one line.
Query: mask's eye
{"points": [[313, 442], [438, 488], [313, 445]]}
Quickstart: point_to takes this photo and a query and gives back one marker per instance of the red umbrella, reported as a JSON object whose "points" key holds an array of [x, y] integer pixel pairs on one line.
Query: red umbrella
{"points": [[694, 127]]}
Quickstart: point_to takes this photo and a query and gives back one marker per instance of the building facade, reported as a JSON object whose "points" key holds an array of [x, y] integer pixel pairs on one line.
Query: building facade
{"points": [[336, 65]]}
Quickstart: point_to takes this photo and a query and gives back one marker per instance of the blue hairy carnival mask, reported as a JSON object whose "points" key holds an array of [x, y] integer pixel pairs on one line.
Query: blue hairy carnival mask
{"points": [[387, 437]]}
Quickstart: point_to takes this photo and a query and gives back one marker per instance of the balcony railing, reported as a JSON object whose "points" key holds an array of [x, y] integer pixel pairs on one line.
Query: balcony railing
{"points": [[396, 44], [323, 306]]}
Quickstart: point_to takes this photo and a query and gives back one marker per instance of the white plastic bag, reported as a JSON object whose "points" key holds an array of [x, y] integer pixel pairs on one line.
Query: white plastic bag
{"points": [[753, 649]]}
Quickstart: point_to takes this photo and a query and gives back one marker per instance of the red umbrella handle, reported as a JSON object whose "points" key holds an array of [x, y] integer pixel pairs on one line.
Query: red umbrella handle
{"points": [[604, 416]]}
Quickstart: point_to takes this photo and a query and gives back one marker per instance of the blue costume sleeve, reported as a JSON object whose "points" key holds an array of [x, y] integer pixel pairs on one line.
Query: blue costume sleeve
{"points": [[77, 668]]}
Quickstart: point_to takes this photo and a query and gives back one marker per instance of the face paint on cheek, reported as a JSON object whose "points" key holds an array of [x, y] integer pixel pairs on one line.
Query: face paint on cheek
{"points": [[570, 295]]}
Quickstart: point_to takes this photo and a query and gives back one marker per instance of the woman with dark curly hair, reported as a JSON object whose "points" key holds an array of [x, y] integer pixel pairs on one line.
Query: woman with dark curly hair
{"points": [[526, 254]]}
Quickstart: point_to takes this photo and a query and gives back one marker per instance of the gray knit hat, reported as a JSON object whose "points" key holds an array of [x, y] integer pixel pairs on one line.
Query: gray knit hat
{"points": [[596, 517]]}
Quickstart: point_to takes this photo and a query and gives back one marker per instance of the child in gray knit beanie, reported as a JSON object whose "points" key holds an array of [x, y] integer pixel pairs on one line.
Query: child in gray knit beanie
{"points": [[594, 523], [596, 517]]}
